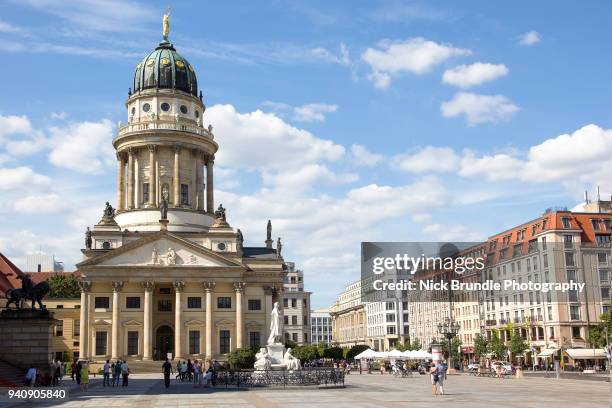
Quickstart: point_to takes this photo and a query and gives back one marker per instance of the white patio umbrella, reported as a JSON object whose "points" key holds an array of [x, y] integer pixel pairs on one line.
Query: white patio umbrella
{"points": [[410, 354], [366, 354], [382, 354], [395, 354]]}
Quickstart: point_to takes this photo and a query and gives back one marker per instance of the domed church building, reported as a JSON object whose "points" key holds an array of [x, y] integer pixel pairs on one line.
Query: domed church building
{"points": [[164, 274]]}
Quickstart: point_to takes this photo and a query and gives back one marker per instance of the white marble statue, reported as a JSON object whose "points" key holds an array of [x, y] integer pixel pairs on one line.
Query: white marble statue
{"points": [[274, 325], [263, 361], [171, 257], [291, 363]]}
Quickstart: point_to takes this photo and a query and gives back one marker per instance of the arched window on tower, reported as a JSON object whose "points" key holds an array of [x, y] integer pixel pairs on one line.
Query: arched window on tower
{"points": [[149, 74]]}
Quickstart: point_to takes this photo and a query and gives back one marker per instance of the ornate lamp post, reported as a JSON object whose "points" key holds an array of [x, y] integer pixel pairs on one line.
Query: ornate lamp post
{"points": [[449, 329]]}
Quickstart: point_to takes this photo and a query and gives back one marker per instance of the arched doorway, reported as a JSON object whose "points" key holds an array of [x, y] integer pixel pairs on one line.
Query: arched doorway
{"points": [[164, 342]]}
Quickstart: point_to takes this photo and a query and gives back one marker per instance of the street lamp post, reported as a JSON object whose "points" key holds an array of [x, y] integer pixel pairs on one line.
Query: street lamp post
{"points": [[449, 329]]}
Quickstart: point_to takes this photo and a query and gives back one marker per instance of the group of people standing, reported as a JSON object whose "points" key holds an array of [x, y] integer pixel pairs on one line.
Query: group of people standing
{"points": [[191, 372], [118, 369]]}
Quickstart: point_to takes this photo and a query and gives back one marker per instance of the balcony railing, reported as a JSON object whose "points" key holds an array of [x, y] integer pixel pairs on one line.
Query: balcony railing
{"points": [[164, 125]]}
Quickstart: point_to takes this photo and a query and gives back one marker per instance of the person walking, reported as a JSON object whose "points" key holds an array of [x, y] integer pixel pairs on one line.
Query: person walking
{"points": [[125, 373], [178, 369], [166, 368], [84, 377], [433, 373], [183, 371], [57, 371], [73, 369], [30, 378], [79, 366], [441, 372], [106, 373], [116, 373]]}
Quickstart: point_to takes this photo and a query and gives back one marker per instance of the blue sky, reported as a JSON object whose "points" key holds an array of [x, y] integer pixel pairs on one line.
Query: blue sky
{"points": [[340, 121]]}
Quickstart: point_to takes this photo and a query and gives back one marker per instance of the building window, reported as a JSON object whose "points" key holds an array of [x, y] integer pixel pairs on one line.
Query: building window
{"points": [[294, 337], [184, 194], [254, 304], [164, 305], [569, 259], [224, 341], [576, 332], [605, 293], [132, 343], [390, 306], [305, 303], [165, 106], [575, 312], [390, 318], [390, 329], [305, 337], [101, 343], [285, 302], [566, 222], [194, 302], [224, 302], [305, 320], [132, 302], [59, 328], [76, 331], [194, 341], [145, 192], [603, 275], [286, 319], [294, 303], [602, 258], [101, 302], [254, 339], [294, 320]]}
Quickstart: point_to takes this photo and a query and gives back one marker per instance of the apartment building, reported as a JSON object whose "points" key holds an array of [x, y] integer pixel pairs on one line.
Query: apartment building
{"points": [[296, 306], [321, 326], [349, 317]]}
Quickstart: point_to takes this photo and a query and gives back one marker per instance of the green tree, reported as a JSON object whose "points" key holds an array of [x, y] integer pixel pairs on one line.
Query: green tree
{"points": [[480, 345], [359, 348], [597, 334], [64, 287], [517, 345], [290, 344], [415, 345], [307, 352], [241, 358], [496, 346], [333, 353], [455, 345]]}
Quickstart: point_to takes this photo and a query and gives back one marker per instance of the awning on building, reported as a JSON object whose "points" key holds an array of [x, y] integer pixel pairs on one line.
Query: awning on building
{"points": [[547, 353], [585, 354]]}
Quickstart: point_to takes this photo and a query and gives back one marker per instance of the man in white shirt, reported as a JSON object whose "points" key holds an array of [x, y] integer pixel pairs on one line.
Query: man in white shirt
{"points": [[106, 380], [31, 377], [125, 372]]}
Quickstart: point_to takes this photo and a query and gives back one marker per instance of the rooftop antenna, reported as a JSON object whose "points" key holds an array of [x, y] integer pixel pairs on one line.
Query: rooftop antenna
{"points": [[586, 197], [598, 196]]}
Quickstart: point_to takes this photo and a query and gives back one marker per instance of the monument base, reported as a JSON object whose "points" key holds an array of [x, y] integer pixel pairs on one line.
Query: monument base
{"points": [[276, 352], [26, 338]]}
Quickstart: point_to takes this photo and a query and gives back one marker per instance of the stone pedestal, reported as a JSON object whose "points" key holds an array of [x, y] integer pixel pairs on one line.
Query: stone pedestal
{"points": [[26, 338], [276, 352]]}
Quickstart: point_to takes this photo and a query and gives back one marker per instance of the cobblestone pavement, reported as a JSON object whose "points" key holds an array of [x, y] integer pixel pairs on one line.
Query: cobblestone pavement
{"points": [[147, 390]]}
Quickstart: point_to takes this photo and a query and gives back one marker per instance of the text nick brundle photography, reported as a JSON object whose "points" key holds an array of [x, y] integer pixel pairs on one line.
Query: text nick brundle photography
{"points": [[305, 203]]}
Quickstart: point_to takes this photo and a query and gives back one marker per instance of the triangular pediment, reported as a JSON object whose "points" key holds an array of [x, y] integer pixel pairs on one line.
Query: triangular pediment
{"points": [[162, 249]]}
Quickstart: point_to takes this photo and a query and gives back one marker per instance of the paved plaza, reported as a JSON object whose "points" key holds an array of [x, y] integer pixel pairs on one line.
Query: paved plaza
{"points": [[147, 390]]}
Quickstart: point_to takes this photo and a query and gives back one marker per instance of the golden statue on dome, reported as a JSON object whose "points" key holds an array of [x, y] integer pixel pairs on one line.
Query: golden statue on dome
{"points": [[166, 24]]}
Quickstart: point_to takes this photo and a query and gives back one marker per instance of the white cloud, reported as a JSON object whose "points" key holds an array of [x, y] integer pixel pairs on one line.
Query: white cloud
{"points": [[364, 157], [457, 232], [585, 155], [59, 115], [429, 159], [263, 141], [40, 204], [8, 28], [342, 58], [415, 55], [479, 109], [313, 112], [13, 124], [22, 178], [85, 147], [304, 177], [495, 167], [529, 38], [466, 76]]}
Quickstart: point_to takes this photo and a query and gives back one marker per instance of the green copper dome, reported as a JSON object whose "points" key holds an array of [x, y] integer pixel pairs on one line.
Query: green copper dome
{"points": [[165, 68]]}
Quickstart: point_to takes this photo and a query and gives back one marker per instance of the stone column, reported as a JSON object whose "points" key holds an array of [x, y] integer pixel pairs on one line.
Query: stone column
{"points": [[200, 182], [115, 328], [84, 319], [178, 319], [208, 288], [269, 292], [210, 200], [148, 320], [152, 176], [239, 288], [176, 181], [130, 189], [120, 182]]}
